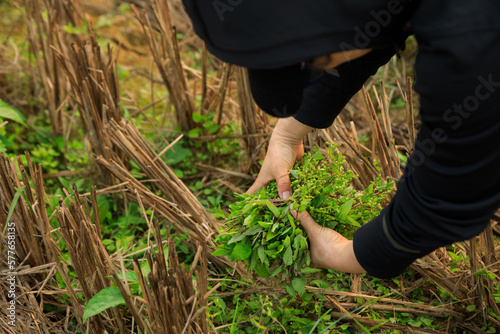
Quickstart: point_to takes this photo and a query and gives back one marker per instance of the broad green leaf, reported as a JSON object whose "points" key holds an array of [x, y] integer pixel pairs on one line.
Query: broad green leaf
{"points": [[346, 208], [253, 230], [222, 251], [274, 245], [286, 242], [194, 133], [9, 112], [276, 212], [265, 224], [262, 270], [242, 250], [318, 200], [212, 128], [320, 284], [220, 213], [104, 299], [236, 237], [303, 243], [299, 284], [197, 117], [294, 173], [309, 270], [288, 256], [262, 255], [270, 235], [277, 271], [249, 220], [253, 260], [131, 276], [318, 156], [176, 154]]}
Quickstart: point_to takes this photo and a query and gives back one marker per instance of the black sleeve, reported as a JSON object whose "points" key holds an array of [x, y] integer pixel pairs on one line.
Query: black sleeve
{"points": [[325, 98], [450, 188]]}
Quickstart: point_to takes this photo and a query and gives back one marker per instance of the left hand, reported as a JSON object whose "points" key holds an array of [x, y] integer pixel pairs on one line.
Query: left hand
{"points": [[329, 249]]}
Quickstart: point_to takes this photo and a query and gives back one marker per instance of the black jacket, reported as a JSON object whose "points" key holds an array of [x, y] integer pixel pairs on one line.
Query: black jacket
{"points": [[451, 185]]}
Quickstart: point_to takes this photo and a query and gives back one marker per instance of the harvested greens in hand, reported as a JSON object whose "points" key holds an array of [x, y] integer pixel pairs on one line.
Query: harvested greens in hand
{"points": [[261, 231]]}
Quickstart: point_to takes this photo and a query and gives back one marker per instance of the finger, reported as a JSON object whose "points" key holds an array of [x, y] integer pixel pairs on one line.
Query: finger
{"points": [[258, 184], [284, 186], [299, 153], [310, 226]]}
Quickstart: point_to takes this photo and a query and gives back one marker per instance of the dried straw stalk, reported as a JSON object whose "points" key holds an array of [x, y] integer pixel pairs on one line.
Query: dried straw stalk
{"points": [[36, 243], [166, 56], [44, 32]]}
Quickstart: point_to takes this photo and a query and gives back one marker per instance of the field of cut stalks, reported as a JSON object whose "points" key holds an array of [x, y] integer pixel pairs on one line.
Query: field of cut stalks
{"points": [[123, 143]]}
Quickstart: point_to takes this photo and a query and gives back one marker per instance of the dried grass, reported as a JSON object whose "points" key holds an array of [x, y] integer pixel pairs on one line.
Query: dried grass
{"points": [[80, 77]]}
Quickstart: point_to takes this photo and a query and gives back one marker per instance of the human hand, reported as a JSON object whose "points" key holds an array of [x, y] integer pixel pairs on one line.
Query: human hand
{"points": [[329, 249], [285, 146]]}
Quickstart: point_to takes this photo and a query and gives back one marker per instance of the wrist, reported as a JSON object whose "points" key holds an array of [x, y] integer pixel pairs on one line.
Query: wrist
{"points": [[290, 131], [342, 258]]}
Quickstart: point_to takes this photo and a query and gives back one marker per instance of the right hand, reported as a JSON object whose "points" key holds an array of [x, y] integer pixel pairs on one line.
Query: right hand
{"points": [[285, 146]]}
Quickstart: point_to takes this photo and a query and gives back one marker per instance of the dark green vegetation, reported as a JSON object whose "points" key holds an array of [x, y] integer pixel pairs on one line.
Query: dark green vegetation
{"points": [[223, 139]]}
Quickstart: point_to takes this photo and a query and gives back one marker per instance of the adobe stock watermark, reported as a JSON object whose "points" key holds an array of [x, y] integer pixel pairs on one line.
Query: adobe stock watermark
{"points": [[373, 28], [12, 277], [222, 7], [454, 116]]}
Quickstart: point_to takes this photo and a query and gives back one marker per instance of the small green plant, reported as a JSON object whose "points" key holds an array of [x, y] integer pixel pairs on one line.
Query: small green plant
{"points": [[261, 230]]}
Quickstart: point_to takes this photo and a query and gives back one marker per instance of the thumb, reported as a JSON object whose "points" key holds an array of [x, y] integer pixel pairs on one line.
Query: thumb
{"points": [[284, 186], [258, 184], [308, 223]]}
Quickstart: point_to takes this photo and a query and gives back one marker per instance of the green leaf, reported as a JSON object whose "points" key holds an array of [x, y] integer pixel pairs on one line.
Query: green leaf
{"points": [[176, 154], [13, 205], [318, 156], [262, 270], [236, 237], [242, 251], [104, 299], [262, 255], [9, 112], [265, 224], [276, 212], [197, 117], [308, 270], [253, 230], [346, 207], [290, 290], [294, 173], [131, 276], [288, 256], [299, 284], [194, 133], [286, 242], [253, 260], [317, 201], [471, 308], [277, 271], [212, 128], [222, 251]]}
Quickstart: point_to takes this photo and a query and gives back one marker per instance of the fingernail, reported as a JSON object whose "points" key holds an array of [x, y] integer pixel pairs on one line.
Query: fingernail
{"points": [[293, 212], [285, 195]]}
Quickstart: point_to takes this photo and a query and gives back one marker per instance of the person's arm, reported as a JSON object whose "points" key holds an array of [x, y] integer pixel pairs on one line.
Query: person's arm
{"points": [[328, 248]]}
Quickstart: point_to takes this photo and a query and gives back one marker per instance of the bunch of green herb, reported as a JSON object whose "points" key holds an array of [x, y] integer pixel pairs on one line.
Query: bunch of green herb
{"points": [[261, 231]]}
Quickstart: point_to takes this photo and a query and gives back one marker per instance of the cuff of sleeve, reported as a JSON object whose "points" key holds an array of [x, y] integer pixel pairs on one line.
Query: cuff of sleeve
{"points": [[378, 253], [325, 99]]}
